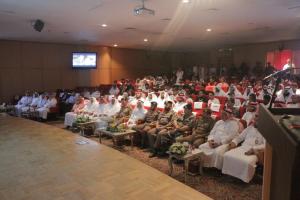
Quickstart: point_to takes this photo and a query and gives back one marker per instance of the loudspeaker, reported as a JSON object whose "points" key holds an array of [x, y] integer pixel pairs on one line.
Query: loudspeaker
{"points": [[38, 25]]}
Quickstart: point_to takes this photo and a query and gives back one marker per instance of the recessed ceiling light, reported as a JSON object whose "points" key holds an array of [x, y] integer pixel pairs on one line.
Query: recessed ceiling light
{"points": [[115, 45], [185, 1], [208, 29], [104, 25], [145, 40]]}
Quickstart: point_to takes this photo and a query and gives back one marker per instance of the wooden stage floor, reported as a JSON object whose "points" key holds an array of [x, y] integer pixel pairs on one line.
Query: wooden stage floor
{"points": [[41, 162]]}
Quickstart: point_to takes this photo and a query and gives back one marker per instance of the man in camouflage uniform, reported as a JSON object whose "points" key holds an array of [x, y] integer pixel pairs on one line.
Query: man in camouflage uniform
{"points": [[149, 123], [181, 125], [202, 128], [164, 121], [124, 114]]}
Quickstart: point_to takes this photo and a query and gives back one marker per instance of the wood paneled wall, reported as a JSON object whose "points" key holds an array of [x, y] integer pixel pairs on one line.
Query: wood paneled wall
{"points": [[47, 66], [252, 53]]}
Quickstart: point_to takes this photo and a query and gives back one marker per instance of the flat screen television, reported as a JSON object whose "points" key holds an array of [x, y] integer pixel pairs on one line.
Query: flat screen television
{"points": [[84, 60]]}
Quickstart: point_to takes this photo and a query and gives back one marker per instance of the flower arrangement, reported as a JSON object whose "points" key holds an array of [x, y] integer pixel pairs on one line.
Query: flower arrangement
{"points": [[178, 148], [82, 119], [114, 128]]}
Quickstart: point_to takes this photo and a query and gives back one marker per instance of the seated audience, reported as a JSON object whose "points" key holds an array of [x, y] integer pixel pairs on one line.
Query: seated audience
{"points": [[77, 109], [295, 103], [266, 100], [161, 100], [149, 122], [124, 113], [114, 90], [164, 121], [182, 125], [91, 107], [96, 94], [202, 97], [250, 114], [150, 98], [201, 129], [219, 92], [112, 108], [102, 109], [263, 92], [251, 99], [51, 103], [247, 92], [33, 104], [137, 115], [180, 103], [240, 161], [285, 96], [219, 137], [212, 99], [23, 102]]}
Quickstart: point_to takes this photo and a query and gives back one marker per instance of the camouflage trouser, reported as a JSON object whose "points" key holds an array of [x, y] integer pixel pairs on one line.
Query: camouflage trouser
{"points": [[142, 130], [195, 139], [152, 136], [164, 138]]}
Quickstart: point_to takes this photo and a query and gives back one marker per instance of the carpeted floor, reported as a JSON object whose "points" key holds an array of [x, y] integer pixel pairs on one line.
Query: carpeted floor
{"points": [[212, 183]]}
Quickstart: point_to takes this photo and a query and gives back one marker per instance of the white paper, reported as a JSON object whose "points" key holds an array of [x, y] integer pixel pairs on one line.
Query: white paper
{"points": [[198, 105]]}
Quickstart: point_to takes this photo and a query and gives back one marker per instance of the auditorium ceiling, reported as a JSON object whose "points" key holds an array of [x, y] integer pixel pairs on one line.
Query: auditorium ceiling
{"points": [[176, 26]]}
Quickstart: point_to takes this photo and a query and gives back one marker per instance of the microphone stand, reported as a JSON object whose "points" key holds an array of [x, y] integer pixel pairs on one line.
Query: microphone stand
{"points": [[279, 75]]}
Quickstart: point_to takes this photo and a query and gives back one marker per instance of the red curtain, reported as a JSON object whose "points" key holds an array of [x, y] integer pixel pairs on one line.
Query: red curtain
{"points": [[278, 58]]}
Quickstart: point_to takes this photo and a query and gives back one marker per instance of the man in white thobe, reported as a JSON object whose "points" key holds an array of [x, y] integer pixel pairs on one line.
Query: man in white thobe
{"points": [[295, 88], [51, 103], [240, 162], [91, 106], [114, 90], [138, 97], [150, 98], [102, 107], [219, 138], [138, 114], [86, 94], [179, 75], [212, 99], [33, 104], [78, 107], [249, 90], [42, 101], [263, 92], [285, 96], [111, 109], [161, 100], [288, 65], [23, 102], [96, 94], [179, 105], [250, 114], [295, 102], [218, 91], [233, 90], [72, 98]]}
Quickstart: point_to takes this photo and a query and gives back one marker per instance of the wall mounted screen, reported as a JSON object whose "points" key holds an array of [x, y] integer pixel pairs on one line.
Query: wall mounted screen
{"points": [[84, 60]]}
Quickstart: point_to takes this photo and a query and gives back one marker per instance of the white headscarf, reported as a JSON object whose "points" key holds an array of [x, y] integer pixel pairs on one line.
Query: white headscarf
{"points": [[92, 105], [113, 109]]}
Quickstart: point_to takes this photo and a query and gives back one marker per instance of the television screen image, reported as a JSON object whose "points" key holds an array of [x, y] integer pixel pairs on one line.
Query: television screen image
{"points": [[84, 60]]}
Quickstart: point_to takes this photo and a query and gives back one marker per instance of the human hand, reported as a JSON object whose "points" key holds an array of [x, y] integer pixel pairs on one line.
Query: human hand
{"points": [[231, 145], [211, 143], [249, 152]]}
